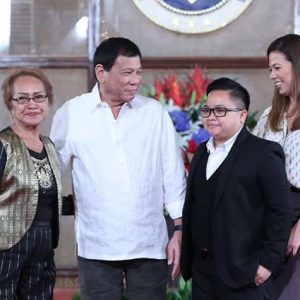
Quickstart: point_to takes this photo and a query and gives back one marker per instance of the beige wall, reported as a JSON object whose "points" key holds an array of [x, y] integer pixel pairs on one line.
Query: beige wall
{"points": [[249, 35]]}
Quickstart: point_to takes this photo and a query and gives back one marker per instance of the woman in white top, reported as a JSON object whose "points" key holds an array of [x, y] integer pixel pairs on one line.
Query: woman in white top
{"points": [[281, 123]]}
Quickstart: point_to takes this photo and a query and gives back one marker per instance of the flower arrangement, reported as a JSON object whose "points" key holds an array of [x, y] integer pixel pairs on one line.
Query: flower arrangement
{"points": [[183, 98]]}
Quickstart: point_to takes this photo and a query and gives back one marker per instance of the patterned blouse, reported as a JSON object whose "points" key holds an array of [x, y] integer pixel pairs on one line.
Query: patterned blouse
{"points": [[290, 142]]}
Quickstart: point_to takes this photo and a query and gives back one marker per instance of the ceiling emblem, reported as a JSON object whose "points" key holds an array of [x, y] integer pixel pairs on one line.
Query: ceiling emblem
{"points": [[192, 16]]}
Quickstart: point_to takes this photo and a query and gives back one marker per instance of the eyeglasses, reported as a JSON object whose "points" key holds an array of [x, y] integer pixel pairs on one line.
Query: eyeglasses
{"points": [[205, 112], [25, 99]]}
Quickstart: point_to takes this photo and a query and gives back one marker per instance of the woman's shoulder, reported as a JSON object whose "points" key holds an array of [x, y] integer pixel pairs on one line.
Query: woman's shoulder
{"points": [[46, 140], [2, 155], [5, 130], [5, 133], [266, 112], [262, 124]]}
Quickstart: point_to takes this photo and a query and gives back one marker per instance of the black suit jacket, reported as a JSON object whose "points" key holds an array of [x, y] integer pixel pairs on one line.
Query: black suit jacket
{"points": [[252, 211]]}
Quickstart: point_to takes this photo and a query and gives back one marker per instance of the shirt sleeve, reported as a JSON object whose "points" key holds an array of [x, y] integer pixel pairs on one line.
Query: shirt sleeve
{"points": [[59, 136], [278, 215], [292, 155], [174, 177], [2, 160]]}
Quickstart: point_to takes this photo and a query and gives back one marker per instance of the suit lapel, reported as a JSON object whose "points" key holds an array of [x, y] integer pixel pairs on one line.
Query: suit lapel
{"points": [[228, 164], [194, 163]]}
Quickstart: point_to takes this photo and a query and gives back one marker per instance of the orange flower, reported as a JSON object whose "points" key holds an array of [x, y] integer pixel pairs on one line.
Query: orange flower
{"points": [[174, 90]]}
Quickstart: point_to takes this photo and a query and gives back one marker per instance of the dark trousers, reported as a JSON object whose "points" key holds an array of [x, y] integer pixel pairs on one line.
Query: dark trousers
{"points": [[287, 285], [146, 279], [27, 270], [207, 285]]}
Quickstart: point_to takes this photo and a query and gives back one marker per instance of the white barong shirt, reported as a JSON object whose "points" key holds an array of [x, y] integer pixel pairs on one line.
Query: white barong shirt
{"points": [[124, 172]]}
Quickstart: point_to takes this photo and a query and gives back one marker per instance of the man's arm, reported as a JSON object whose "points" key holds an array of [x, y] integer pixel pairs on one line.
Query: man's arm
{"points": [[174, 184], [59, 134], [294, 240], [174, 248], [279, 209]]}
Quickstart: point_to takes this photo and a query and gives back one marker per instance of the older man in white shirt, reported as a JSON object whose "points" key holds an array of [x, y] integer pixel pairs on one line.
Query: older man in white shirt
{"points": [[126, 167]]}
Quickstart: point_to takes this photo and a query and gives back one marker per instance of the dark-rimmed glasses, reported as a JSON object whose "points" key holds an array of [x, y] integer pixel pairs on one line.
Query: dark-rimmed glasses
{"points": [[205, 112], [25, 99]]}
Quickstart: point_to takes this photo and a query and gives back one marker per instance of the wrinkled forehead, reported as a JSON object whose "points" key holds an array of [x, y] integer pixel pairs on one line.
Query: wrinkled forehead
{"points": [[27, 84]]}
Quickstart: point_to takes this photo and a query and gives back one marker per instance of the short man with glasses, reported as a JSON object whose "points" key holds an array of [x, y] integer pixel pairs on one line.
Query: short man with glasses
{"points": [[237, 212]]}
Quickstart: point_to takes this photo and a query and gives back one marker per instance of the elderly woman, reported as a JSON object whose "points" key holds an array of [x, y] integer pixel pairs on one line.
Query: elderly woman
{"points": [[30, 191]]}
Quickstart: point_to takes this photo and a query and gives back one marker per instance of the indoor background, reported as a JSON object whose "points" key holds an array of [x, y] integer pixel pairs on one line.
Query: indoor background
{"points": [[60, 36]]}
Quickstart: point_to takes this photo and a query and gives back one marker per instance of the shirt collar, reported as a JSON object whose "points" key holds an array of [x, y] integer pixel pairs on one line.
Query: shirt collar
{"points": [[224, 147], [99, 103]]}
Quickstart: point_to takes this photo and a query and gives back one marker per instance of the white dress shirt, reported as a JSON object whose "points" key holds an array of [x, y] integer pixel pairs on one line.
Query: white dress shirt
{"points": [[124, 171], [218, 154]]}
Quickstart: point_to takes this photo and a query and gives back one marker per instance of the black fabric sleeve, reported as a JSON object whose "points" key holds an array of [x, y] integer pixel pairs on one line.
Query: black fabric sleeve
{"points": [[279, 212], [2, 160]]}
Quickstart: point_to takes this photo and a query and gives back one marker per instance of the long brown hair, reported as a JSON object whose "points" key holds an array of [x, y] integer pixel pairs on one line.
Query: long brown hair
{"points": [[289, 46]]}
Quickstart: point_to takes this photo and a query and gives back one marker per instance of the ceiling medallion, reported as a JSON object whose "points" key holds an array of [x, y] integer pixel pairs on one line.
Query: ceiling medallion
{"points": [[192, 16], [192, 7]]}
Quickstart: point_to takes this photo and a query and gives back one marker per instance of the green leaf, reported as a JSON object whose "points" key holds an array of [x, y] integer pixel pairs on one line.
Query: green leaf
{"points": [[193, 97], [162, 99], [145, 90], [203, 101], [181, 283], [251, 120], [178, 296], [152, 91]]}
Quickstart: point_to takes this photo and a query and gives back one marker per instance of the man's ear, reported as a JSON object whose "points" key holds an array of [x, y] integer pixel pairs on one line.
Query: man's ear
{"points": [[99, 73], [244, 116]]}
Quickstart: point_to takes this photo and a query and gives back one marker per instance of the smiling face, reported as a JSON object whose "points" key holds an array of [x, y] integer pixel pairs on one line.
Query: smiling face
{"points": [[32, 113], [223, 128], [121, 83], [281, 72]]}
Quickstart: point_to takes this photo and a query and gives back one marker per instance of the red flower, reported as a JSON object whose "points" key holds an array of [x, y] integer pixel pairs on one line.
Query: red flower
{"points": [[159, 88], [199, 83], [192, 146], [184, 92], [187, 166]]}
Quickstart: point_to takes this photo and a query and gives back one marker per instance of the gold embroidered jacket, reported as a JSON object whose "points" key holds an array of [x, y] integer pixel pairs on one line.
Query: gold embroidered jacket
{"points": [[19, 189]]}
